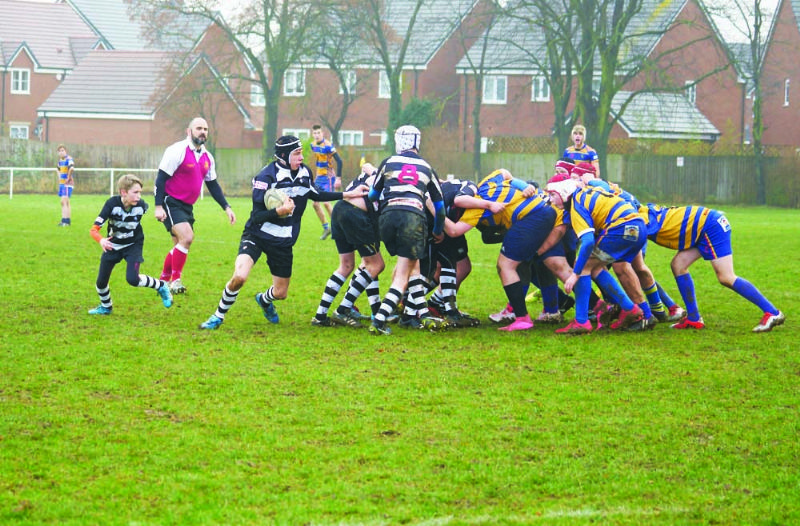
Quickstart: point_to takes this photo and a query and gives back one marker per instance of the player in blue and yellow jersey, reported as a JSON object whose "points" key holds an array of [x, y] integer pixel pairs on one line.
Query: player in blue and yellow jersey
{"points": [[662, 306], [66, 183], [580, 151], [325, 155], [697, 232], [528, 220], [609, 231]]}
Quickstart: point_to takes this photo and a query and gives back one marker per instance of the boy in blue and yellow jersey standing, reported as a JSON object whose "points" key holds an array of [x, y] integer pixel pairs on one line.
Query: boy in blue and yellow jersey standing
{"points": [[325, 181], [66, 183]]}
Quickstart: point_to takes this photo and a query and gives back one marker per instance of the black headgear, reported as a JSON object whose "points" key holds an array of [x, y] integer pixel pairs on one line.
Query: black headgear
{"points": [[284, 146]]}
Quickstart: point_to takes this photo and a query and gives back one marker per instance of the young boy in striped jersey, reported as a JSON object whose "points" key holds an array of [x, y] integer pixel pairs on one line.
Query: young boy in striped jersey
{"points": [[125, 240]]}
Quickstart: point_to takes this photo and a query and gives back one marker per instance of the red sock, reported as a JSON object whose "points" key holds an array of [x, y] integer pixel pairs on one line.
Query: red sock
{"points": [[178, 261], [166, 271]]}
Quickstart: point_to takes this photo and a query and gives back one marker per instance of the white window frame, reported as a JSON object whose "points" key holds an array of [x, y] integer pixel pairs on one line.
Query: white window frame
{"points": [[540, 89], [20, 81], [786, 83], [350, 79], [492, 86], [350, 138], [691, 92], [301, 133], [19, 131], [384, 91], [257, 97], [294, 82]]}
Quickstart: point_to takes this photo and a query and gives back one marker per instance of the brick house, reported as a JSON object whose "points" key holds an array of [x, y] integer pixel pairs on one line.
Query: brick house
{"points": [[312, 93], [677, 34], [781, 79], [40, 45], [124, 98]]}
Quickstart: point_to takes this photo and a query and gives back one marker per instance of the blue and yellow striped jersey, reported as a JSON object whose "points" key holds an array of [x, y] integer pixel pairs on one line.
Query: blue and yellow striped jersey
{"points": [[586, 153], [323, 151], [594, 209], [676, 227], [494, 188], [63, 167]]}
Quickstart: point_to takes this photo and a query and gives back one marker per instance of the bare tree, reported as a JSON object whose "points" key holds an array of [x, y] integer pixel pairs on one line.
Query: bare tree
{"points": [[336, 52], [475, 39], [390, 43], [746, 19], [272, 36]]}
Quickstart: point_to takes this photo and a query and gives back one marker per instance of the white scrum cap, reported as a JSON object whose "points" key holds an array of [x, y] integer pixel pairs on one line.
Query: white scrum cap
{"points": [[407, 137]]}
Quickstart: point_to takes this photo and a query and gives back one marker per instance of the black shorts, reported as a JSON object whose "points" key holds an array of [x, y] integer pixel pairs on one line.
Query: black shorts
{"points": [[131, 254], [404, 233], [451, 250], [279, 259], [352, 230], [177, 212]]}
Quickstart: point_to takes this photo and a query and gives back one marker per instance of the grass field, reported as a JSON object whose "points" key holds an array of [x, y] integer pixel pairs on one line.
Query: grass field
{"points": [[141, 419]]}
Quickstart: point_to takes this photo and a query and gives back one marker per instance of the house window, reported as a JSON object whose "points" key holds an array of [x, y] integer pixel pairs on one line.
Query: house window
{"points": [[786, 92], [540, 90], [294, 83], [384, 91], [494, 89], [691, 92], [20, 81], [351, 138], [383, 137], [350, 81], [596, 87], [301, 133], [18, 131], [257, 95]]}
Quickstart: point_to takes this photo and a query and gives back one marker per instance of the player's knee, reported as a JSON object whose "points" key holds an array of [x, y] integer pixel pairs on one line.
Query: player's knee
{"points": [[133, 281], [237, 281]]}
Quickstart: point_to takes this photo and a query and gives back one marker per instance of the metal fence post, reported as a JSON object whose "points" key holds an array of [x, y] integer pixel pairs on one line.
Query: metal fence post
{"points": [[111, 184], [11, 185]]}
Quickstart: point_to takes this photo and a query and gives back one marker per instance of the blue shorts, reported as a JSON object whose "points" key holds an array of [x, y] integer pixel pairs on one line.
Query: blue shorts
{"points": [[525, 236], [715, 239], [64, 190], [323, 183], [622, 243]]}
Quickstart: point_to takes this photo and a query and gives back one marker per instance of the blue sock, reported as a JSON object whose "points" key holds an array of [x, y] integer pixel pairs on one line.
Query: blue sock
{"points": [[325, 226], [749, 292], [646, 309], [665, 298], [613, 290], [581, 290], [654, 299], [550, 298], [686, 288]]}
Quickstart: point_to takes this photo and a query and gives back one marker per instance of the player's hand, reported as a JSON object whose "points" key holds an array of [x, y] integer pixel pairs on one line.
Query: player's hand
{"points": [[495, 207], [337, 184], [529, 191], [160, 214], [287, 208], [105, 244], [231, 215], [437, 238], [359, 191], [571, 280], [367, 168]]}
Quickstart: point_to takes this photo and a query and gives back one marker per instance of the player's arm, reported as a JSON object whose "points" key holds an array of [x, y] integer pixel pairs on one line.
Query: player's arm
{"points": [[104, 242], [216, 192], [435, 193], [70, 172]]}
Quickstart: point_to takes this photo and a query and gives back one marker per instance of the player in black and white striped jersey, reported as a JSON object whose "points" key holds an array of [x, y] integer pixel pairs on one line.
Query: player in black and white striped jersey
{"points": [[125, 241]]}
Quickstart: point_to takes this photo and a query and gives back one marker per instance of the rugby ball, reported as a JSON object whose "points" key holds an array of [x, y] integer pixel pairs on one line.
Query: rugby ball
{"points": [[273, 198]]}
